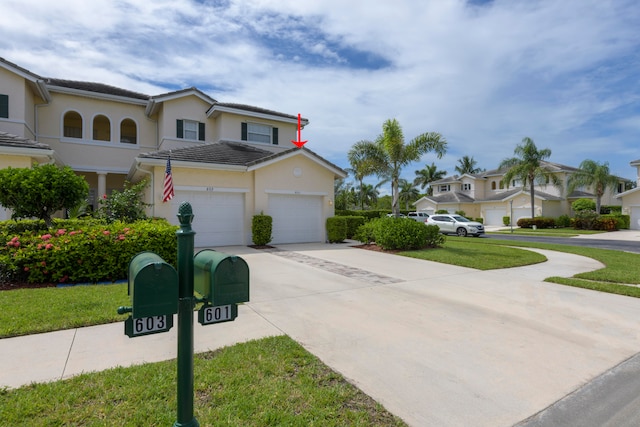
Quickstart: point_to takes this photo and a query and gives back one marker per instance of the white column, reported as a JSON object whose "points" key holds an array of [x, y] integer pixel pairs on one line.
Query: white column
{"points": [[102, 184]]}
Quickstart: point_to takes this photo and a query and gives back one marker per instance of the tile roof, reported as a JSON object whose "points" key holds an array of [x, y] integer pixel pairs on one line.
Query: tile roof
{"points": [[253, 109], [452, 197], [10, 140], [96, 87], [222, 152]]}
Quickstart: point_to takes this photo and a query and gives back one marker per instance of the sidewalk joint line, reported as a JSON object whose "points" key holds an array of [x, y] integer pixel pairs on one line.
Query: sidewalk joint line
{"points": [[73, 340]]}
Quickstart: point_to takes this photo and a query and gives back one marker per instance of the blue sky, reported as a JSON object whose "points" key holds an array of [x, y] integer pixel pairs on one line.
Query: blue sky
{"points": [[484, 74]]}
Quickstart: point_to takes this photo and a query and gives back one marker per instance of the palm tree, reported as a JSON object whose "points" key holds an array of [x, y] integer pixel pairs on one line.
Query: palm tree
{"points": [[427, 175], [389, 153], [593, 174], [369, 194], [529, 167], [361, 165], [408, 192], [467, 165]]}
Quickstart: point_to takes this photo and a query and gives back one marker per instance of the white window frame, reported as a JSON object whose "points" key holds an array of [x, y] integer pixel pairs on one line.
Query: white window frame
{"points": [[260, 133], [444, 188], [466, 187], [190, 133]]}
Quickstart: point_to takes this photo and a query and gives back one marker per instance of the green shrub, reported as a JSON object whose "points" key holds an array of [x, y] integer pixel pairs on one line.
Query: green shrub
{"points": [[563, 221], [399, 234], [539, 222], [442, 211], [353, 222], [89, 253], [336, 229], [461, 213], [125, 205], [613, 210], [369, 215], [506, 220], [480, 220], [261, 227], [585, 219], [583, 205]]}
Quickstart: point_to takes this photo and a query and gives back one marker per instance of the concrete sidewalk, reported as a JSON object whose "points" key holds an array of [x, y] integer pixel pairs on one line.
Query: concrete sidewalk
{"points": [[435, 344]]}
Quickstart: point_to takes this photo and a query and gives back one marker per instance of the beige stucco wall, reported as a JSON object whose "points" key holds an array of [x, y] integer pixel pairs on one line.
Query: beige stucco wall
{"points": [[86, 154], [188, 107], [230, 128], [16, 88], [20, 161]]}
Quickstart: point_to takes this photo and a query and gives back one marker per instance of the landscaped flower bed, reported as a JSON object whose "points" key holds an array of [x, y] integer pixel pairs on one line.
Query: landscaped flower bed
{"points": [[79, 251]]}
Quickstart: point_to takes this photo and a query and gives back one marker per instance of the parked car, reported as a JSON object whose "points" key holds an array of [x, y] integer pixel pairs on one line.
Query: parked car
{"points": [[456, 224], [419, 216], [399, 215]]}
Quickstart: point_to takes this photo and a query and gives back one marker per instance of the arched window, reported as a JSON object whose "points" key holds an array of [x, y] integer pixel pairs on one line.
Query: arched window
{"points": [[493, 185], [72, 126], [128, 132], [101, 128]]}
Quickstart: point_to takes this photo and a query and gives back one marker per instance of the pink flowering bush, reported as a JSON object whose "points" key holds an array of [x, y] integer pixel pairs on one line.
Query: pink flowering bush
{"points": [[81, 251]]}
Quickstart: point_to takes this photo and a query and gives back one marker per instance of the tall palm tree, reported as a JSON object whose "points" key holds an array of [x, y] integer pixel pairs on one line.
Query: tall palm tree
{"points": [[529, 167], [467, 165], [408, 192], [390, 154], [426, 176], [361, 164], [593, 174]]}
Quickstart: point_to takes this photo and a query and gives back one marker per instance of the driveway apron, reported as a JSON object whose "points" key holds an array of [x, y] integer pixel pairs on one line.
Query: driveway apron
{"points": [[442, 345]]}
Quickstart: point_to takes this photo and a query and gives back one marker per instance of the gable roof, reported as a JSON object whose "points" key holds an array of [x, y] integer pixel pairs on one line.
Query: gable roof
{"points": [[233, 155]]}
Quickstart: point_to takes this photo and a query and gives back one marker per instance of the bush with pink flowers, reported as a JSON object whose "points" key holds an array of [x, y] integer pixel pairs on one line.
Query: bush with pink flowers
{"points": [[77, 251]]}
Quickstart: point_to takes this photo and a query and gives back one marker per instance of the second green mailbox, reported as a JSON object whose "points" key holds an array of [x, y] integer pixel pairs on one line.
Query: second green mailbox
{"points": [[221, 278], [153, 286]]}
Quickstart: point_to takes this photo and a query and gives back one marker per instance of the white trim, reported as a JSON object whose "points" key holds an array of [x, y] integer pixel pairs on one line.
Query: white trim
{"points": [[94, 169], [91, 129], [26, 151], [221, 109], [297, 193], [210, 189], [99, 143], [119, 136]]}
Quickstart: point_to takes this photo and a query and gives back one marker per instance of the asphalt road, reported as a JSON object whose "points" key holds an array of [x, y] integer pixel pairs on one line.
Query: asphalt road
{"points": [[610, 400], [618, 245]]}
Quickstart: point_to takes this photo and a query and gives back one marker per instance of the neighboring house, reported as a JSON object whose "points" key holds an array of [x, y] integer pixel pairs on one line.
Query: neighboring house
{"points": [[483, 195], [231, 161], [631, 200]]}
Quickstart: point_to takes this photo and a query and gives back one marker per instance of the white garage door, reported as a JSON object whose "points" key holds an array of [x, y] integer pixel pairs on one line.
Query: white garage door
{"points": [[218, 218], [494, 217], [296, 219], [635, 218]]}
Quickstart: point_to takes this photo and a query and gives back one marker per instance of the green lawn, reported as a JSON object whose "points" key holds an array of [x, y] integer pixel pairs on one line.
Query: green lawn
{"points": [[458, 251], [273, 381]]}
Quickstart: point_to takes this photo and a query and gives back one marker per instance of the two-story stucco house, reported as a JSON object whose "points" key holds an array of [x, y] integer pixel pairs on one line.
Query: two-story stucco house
{"points": [[631, 200], [485, 196], [230, 161]]}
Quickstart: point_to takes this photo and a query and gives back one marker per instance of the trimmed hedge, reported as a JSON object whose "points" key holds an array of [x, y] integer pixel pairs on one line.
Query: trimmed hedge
{"points": [[261, 227], [539, 222], [353, 222], [78, 251], [336, 229], [400, 234]]}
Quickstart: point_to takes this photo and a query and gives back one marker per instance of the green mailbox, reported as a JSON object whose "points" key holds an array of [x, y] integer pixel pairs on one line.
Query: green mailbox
{"points": [[153, 286], [221, 278]]}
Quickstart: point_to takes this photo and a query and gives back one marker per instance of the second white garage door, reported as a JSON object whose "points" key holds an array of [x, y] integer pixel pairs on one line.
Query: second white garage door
{"points": [[296, 219], [635, 218], [218, 218]]}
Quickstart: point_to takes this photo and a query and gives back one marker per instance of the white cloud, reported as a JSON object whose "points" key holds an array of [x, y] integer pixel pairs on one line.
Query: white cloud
{"points": [[563, 73]]}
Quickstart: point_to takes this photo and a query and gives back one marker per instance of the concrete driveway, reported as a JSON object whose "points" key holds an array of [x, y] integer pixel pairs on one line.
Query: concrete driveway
{"points": [[437, 345]]}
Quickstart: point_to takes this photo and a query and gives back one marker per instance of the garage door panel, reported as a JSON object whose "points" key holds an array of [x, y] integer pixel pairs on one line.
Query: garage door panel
{"points": [[218, 218], [296, 219], [494, 216], [635, 218]]}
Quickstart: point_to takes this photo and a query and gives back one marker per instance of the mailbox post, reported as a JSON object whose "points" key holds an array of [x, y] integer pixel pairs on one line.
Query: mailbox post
{"points": [[158, 292], [185, 318]]}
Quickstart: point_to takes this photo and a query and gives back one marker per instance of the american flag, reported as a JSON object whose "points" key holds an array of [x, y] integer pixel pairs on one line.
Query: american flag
{"points": [[167, 193]]}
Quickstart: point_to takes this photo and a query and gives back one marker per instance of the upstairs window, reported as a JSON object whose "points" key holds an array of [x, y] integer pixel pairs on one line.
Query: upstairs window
{"points": [[493, 185], [444, 188], [189, 129], [128, 132], [466, 187], [101, 128], [72, 125], [4, 106], [255, 132]]}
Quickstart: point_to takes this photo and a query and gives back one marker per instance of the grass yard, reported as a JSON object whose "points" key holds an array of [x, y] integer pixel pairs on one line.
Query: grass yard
{"points": [[553, 232], [30, 311], [457, 251], [273, 381]]}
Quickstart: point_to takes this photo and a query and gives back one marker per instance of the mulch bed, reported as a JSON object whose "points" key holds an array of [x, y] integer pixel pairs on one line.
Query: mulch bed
{"points": [[376, 248], [261, 247]]}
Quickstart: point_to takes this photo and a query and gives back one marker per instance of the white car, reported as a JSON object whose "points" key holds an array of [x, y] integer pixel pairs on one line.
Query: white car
{"points": [[419, 216], [456, 224]]}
